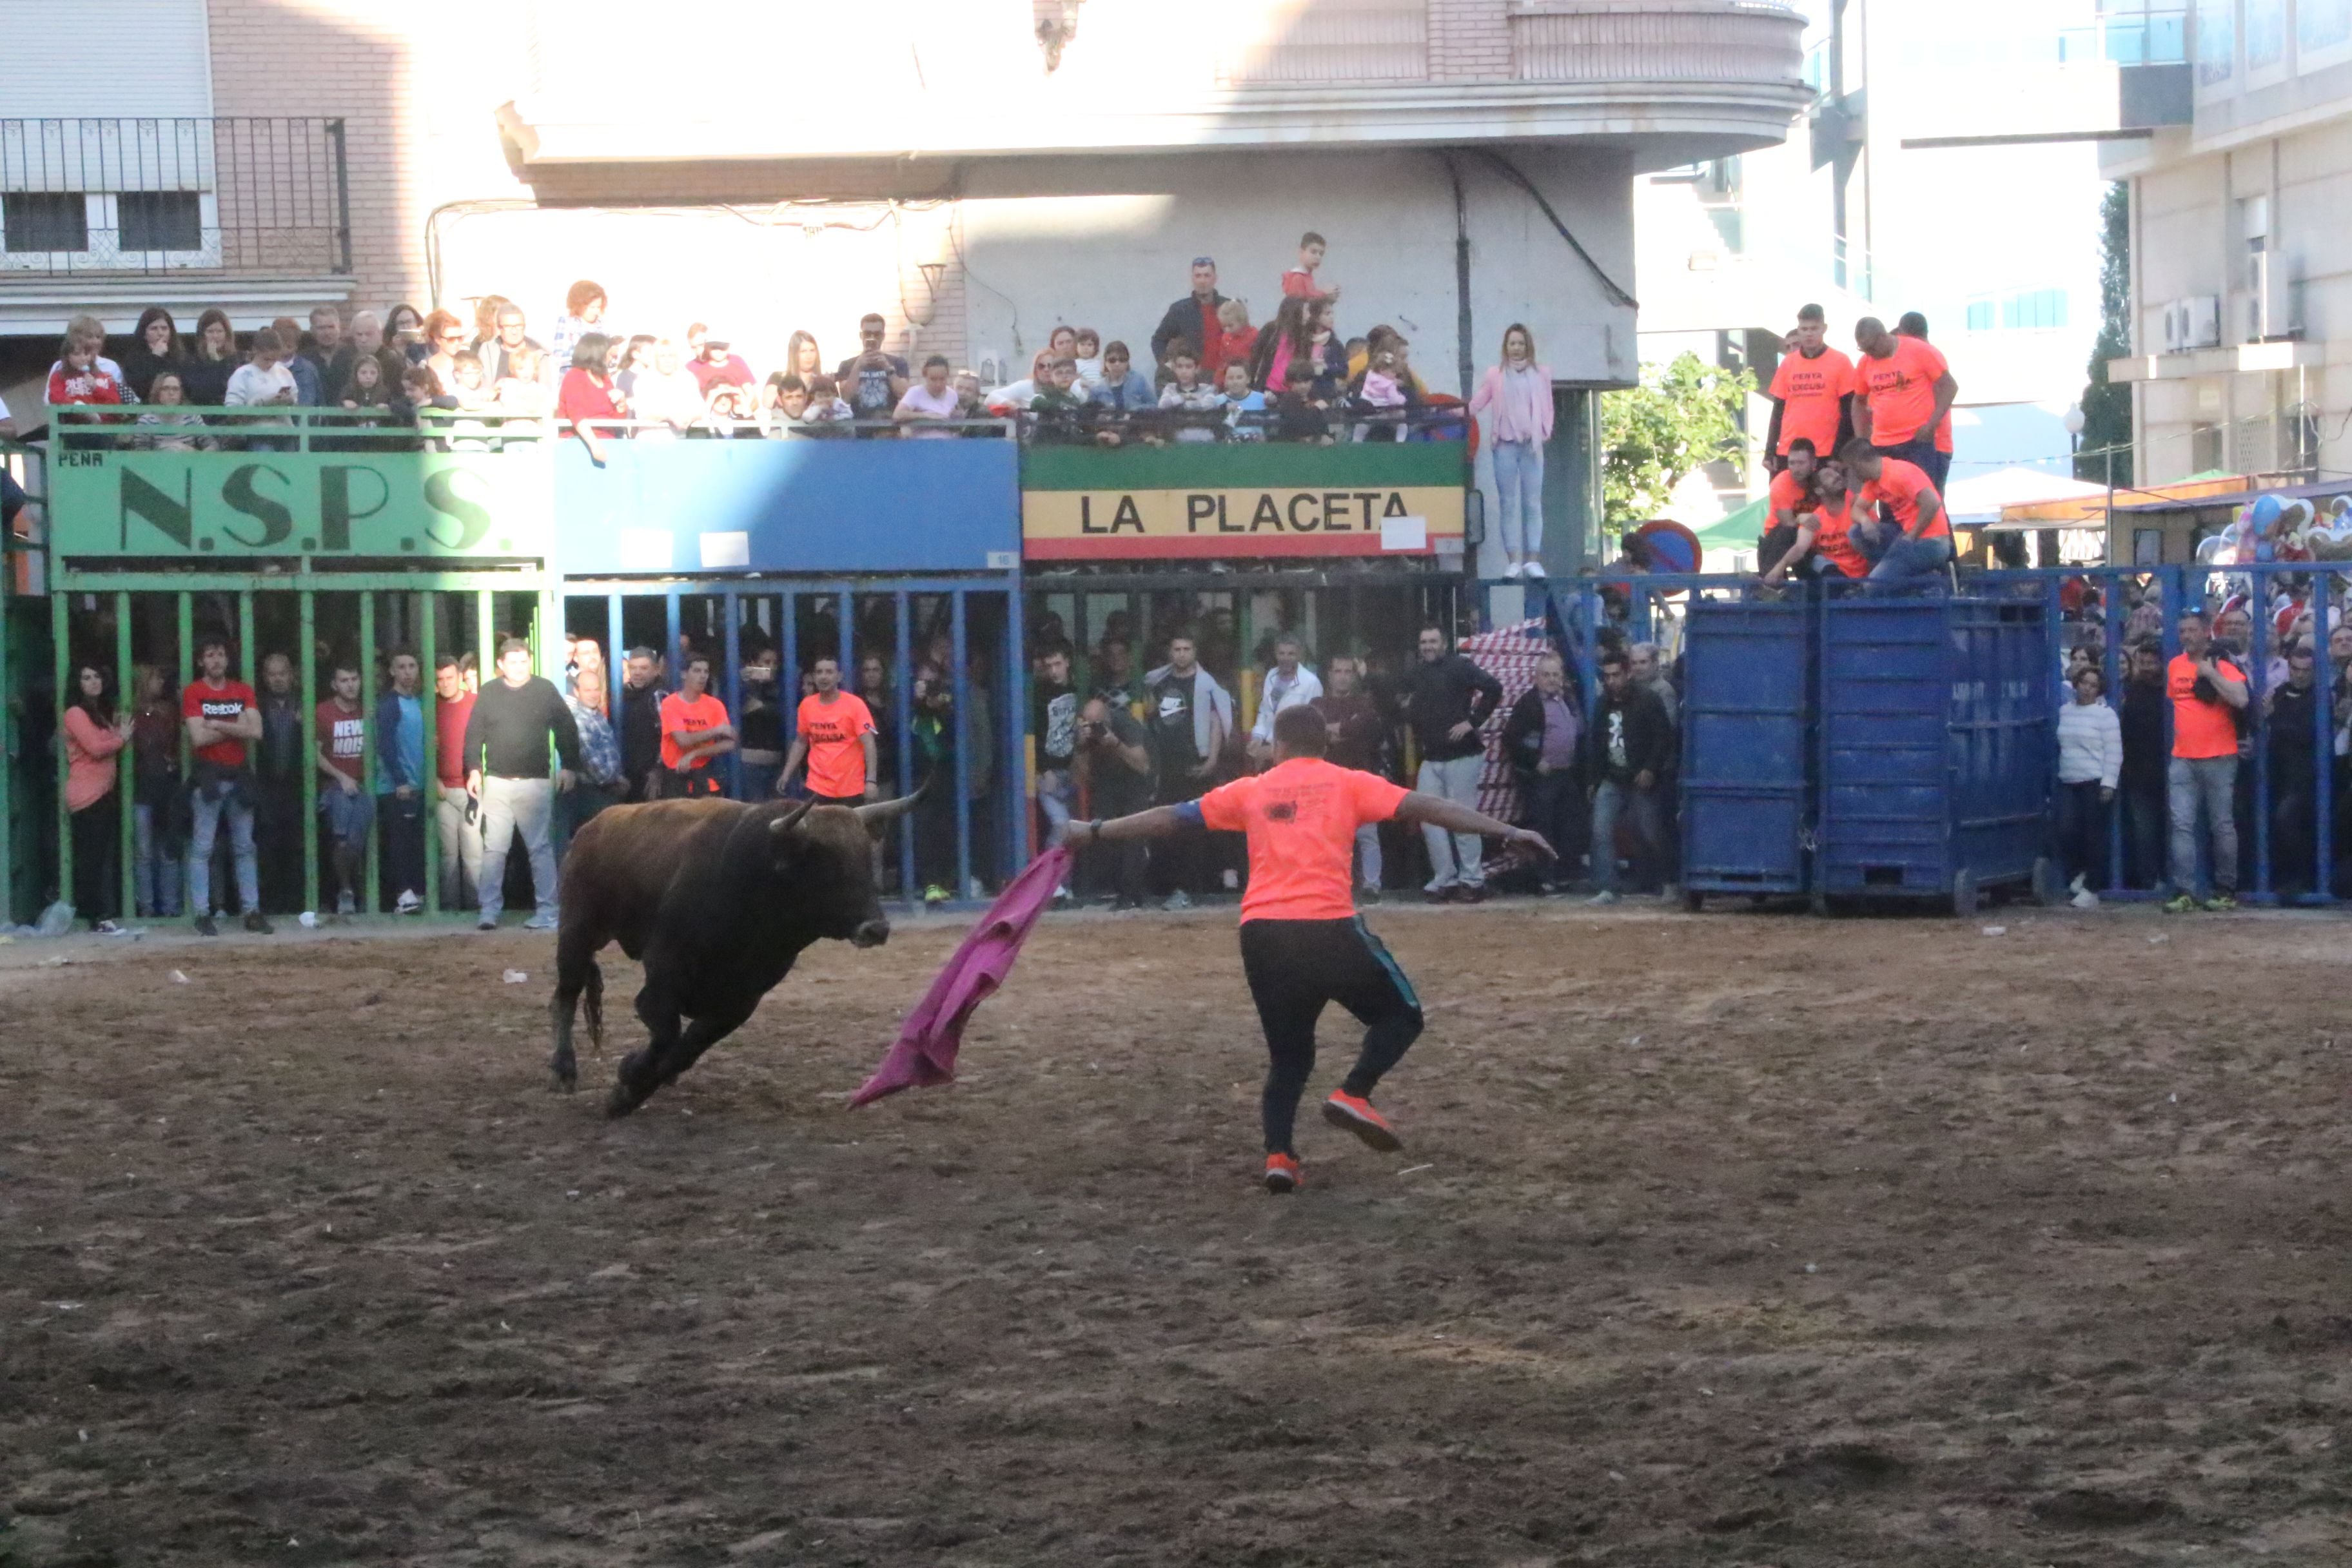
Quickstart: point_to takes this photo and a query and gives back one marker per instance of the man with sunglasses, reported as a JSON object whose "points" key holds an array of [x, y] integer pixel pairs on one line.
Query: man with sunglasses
{"points": [[871, 380]]}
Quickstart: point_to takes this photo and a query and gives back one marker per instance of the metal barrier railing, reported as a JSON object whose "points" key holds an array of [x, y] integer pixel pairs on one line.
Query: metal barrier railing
{"points": [[1648, 606], [152, 195]]}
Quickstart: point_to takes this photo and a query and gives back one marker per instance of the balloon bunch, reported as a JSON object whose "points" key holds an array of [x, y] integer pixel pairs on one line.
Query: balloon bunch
{"points": [[2268, 529]]}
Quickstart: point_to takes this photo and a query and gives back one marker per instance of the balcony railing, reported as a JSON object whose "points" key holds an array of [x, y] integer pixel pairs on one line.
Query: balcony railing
{"points": [[1330, 41], [149, 195], [1654, 40]]}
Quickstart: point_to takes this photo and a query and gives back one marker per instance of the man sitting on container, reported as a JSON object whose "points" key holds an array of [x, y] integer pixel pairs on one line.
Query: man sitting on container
{"points": [[1922, 547], [1792, 502], [2208, 692]]}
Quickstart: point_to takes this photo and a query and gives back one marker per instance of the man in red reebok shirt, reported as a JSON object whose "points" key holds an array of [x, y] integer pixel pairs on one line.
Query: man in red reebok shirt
{"points": [[220, 716], [1923, 546], [1902, 390], [1302, 945], [1809, 392]]}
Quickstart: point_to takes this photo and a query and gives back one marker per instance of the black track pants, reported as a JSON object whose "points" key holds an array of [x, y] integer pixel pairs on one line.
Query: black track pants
{"points": [[1295, 969]]}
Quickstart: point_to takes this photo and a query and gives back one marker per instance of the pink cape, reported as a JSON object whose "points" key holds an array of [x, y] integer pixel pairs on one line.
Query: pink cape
{"points": [[924, 1051]]}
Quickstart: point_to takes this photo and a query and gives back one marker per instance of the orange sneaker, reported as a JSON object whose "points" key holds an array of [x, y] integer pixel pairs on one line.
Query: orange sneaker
{"points": [[1354, 1114], [1282, 1173]]}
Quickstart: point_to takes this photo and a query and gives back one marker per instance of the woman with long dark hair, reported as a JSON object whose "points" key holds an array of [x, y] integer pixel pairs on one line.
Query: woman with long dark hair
{"points": [[212, 360], [587, 399], [155, 348], [94, 733]]}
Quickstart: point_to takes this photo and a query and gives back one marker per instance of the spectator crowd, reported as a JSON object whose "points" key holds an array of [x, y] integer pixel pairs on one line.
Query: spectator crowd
{"points": [[1212, 376]]}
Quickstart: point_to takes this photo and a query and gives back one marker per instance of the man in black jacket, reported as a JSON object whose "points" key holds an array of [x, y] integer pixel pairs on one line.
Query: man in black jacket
{"points": [[1358, 738], [515, 719], [1191, 320], [1448, 701], [640, 726], [1625, 755], [2145, 708], [1542, 741], [2293, 737]]}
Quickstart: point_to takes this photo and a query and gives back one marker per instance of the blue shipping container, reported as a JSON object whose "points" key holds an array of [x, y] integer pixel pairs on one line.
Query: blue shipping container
{"points": [[1935, 745], [1745, 804]]}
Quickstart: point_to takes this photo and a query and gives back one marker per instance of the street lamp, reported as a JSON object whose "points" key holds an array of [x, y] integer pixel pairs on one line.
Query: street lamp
{"points": [[2075, 420]]}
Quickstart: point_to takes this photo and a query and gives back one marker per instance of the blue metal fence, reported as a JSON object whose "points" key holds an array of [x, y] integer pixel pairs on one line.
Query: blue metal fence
{"points": [[1660, 608]]}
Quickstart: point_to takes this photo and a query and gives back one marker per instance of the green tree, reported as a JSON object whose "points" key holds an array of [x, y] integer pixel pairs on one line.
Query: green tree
{"points": [[1683, 417], [2108, 406]]}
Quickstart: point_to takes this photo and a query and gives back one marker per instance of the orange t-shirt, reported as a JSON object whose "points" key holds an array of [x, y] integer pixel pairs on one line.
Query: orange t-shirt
{"points": [[679, 711], [1811, 391], [1835, 540], [836, 756], [1301, 818], [2200, 729], [1790, 494], [1901, 389], [1900, 485]]}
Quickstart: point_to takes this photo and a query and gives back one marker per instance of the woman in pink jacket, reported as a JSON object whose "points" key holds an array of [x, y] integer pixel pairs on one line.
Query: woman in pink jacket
{"points": [[1518, 390], [94, 733]]}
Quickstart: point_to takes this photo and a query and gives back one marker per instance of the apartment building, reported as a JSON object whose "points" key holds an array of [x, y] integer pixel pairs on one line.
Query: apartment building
{"points": [[1925, 178], [2241, 211]]}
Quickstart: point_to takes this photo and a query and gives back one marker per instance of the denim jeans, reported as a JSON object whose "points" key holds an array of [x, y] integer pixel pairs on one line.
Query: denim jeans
{"points": [[1055, 793], [1609, 801], [1367, 855], [511, 806], [155, 867], [1455, 858], [1518, 490], [2210, 782], [1910, 563], [461, 848], [210, 807]]}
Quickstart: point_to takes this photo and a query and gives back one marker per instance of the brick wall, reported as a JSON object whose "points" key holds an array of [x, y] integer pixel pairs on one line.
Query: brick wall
{"points": [[1469, 40], [413, 84]]}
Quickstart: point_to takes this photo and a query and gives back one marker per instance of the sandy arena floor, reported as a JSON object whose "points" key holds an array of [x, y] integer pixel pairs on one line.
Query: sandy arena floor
{"points": [[1737, 1240]]}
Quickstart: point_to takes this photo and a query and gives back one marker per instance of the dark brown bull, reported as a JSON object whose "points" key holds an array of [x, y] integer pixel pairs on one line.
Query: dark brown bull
{"points": [[716, 898]]}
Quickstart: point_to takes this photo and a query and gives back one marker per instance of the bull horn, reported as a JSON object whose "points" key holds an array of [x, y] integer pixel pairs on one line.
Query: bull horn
{"points": [[791, 817], [873, 814]]}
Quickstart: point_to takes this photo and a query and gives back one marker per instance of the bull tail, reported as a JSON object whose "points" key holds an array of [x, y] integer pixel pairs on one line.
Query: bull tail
{"points": [[594, 1005]]}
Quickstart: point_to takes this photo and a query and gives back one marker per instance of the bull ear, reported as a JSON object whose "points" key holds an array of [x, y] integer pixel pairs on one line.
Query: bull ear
{"points": [[790, 818], [874, 814]]}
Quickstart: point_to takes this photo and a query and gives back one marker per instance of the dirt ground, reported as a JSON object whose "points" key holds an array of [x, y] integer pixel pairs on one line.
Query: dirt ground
{"points": [[1746, 1238]]}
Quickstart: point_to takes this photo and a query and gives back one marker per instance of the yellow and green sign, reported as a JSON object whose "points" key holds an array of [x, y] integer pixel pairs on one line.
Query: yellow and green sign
{"points": [[430, 506], [1238, 498]]}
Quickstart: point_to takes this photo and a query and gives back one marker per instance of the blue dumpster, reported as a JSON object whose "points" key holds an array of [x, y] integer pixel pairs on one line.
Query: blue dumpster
{"points": [[1935, 746], [1746, 799]]}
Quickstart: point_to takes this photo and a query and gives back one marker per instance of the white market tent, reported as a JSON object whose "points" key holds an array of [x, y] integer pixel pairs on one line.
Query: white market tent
{"points": [[1977, 501]]}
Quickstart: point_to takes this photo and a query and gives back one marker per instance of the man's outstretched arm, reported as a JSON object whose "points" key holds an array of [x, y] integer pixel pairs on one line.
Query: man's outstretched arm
{"points": [[1455, 817], [1158, 823]]}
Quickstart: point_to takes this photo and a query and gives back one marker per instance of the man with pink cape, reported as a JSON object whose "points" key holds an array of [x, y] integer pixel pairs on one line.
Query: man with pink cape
{"points": [[924, 1051]]}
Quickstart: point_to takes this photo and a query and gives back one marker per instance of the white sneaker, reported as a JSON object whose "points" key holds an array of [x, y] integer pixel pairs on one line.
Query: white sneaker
{"points": [[1533, 572], [1177, 903], [346, 906], [541, 920], [2084, 898], [2076, 885], [408, 904], [1603, 898]]}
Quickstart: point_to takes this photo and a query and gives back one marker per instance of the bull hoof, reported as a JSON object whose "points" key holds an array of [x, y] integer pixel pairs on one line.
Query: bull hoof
{"points": [[622, 1101], [564, 1082]]}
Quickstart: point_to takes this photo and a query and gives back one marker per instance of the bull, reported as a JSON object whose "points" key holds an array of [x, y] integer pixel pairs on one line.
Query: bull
{"points": [[716, 898]]}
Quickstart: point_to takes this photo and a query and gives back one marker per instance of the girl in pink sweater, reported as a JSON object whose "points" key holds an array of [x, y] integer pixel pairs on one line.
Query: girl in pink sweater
{"points": [[1518, 391], [94, 733]]}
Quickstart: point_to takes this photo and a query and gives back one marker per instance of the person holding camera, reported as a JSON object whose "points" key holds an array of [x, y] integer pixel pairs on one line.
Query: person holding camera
{"points": [[2209, 692], [1113, 767]]}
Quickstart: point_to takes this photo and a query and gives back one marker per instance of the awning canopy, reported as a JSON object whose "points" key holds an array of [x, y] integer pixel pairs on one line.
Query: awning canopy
{"points": [[1984, 500]]}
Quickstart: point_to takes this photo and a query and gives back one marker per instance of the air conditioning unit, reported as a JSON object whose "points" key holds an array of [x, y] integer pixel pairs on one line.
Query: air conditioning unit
{"points": [[2175, 329], [2201, 322], [2269, 306]]}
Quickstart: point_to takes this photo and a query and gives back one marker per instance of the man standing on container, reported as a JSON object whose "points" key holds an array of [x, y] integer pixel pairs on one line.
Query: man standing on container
{"points": [[1902, 390], [2208, 694], [515, 719], [1811, 392], [834, 734], [1448, 701]]}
